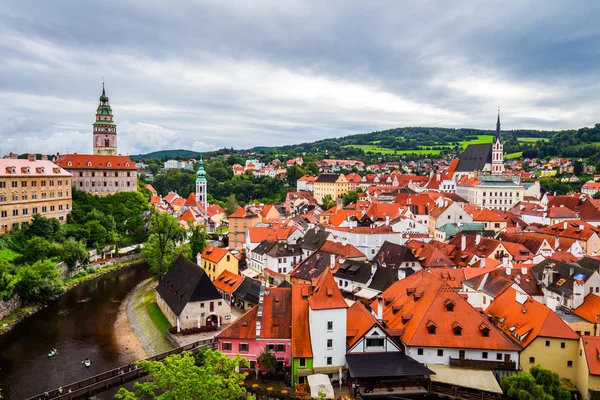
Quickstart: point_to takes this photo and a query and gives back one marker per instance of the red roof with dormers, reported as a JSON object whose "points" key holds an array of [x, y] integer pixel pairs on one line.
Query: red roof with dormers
{"points": [[228, 281], [259, 233], [524, 322], [326, 294], [214, 254], [341, 249], [422, 301], [95, 161], [170, 197]]}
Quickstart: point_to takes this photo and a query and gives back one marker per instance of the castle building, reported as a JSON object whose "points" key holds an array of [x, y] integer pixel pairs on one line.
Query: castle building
{"points": [[105, 171], [30, 186], [201, 194]]}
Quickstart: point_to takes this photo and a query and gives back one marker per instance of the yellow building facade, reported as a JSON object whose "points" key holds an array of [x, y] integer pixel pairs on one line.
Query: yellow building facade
{"points": [[30, 186], [555, 354], [214, 260], [330, 184]]}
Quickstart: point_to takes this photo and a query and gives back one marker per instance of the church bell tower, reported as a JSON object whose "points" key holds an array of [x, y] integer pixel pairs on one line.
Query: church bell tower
{"points": [[497, 151], [201, 195], [105, 130]]}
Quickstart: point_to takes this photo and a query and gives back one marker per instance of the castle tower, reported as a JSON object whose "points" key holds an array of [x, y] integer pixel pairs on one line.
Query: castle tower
{"points": [[201, 194], [497, 151], [105, 130]]}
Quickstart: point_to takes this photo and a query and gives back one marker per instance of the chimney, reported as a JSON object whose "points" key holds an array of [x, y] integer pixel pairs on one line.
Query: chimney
{"points": [[332, 261], [463, 243], [505, 261], [523, 271], [581, 227], [31, 157], [387, 220], [477, 239], [482, 263], [571, 271], [507, 269], [261, 299], [564, 225], [44, 157], [373, 269], [13, 156], [379, 308]]}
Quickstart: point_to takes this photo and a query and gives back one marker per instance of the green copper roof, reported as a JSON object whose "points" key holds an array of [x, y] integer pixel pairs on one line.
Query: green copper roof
{"points": [[201, 173], [104, 123]]}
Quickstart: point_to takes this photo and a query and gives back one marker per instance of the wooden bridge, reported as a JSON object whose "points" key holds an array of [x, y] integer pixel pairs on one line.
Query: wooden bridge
{"points": [[111, 379]]}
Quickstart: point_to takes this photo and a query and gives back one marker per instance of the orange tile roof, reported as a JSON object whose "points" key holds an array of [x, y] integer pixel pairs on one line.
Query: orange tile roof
{"points": [[276, 318], [242, 212], [213, 209], [191, 200], [180, 201], [340, 216], [326, 294], [421, 300], [341, 249], [227, 281], [260, 233], [301, 346], [590, 308], [359, 322], [188, 216], [266, 209], [528, 320], [95, 161], [170, 197], [214, 254], [591, 346], [24, 167], [487, 215], [156, 200]]}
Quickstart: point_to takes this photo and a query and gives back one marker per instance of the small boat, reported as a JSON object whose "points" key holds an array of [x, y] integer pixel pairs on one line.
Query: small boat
{"points": [[52, 353], [87, 363]]}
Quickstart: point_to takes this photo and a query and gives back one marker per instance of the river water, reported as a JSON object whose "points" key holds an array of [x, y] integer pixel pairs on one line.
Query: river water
{"points": [[79, 324]]}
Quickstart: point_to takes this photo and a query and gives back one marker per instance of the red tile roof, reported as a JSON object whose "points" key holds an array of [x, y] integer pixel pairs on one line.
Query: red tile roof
{"points": [[528, 320], [590, 308], [301, 346], [260, 233], [341, 249], [326, 294], [214, 254], [213, 209], [228, 281], [276, 319], [170, 197], [487, 215], [359, 322], [95, 161], [591, 346], [423, 300]]}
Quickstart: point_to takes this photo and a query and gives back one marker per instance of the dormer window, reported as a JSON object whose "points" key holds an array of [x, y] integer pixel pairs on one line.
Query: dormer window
{"points": [[127, 164], [329, 292], [485, 331], [406, 318], [396, 308], [11, 170], [89, 164], [449, 305], [457, 329], [70, 164], [431, 327], [108, 164]]}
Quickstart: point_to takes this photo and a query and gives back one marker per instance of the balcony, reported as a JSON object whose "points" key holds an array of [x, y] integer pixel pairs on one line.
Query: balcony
{"points": [[482, 364]]}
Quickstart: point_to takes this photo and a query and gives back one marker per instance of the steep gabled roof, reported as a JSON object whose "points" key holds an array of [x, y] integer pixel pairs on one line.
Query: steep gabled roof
{"points": [[326, 294], [524, 319], [591, 346], [475, 157], [214, 254], [185, 282], [276, 319], [590, 308], [393, 255], [359, 322], [301, 345], [342, 249], [423, 301], [228, 281], [487, 215]]}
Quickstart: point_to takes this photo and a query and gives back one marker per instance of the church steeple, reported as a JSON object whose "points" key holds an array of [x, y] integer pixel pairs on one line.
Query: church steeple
{"points": [[201, 194], [498, 138], [105, 130]]}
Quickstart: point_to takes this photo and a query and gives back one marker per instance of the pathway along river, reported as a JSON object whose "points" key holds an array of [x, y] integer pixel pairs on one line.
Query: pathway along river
{"points": [[79, 324]]}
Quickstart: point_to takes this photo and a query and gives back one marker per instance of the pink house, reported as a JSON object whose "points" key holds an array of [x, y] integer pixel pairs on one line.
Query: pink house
{"points": [[251, 334]]}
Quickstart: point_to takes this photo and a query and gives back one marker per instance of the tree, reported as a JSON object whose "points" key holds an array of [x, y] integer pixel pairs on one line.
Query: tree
{"points": [[74, 252], [41, 226], [538, 384], [178, 377], [96, 234], [38, 282], [198, 239], [7, 280], [37, 248], [327, 202], [231, 205], [577, 168], [267, 360], [351, 197], [596, 195], [160, 250]]}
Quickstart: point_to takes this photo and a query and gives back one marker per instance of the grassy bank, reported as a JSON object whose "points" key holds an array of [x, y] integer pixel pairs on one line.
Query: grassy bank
{"points": [[16, 316], [91, 273], [156, 315], [150, 323]]}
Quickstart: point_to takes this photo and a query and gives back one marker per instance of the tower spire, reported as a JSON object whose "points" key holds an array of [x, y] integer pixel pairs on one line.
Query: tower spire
{"points": [[498, 138]]}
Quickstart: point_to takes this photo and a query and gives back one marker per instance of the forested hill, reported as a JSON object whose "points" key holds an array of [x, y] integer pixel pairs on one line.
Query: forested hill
{"points": [[423, 141]]}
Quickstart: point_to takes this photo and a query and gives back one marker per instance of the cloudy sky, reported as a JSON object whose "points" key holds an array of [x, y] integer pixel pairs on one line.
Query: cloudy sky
{"points": [[244, 73]]}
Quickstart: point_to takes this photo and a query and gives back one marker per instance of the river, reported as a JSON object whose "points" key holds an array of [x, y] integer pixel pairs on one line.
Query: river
{"points": [[79, 324]]}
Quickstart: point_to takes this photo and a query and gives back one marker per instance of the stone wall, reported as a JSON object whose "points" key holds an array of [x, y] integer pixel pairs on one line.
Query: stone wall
{"points": [[10, 305]]}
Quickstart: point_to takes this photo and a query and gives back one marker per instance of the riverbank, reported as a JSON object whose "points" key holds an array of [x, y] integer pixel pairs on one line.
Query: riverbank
{"points": [[123, 333], [9, 322], [146, 320]]}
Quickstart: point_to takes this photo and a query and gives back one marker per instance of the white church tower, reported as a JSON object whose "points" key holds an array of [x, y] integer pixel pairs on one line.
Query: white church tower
{"points": [[497, 151], [201, 194]]}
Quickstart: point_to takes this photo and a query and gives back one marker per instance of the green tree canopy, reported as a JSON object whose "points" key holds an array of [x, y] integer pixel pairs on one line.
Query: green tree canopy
{"points": [[7, 280], [231, 205], [538, 384], [74, 252], [161, 248], [42, 226], [178, 377], [198, 240], [327, 202], [38, 282]]}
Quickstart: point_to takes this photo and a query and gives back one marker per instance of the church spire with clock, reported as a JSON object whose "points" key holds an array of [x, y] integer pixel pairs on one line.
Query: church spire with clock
{"points": [[105, 130]]}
